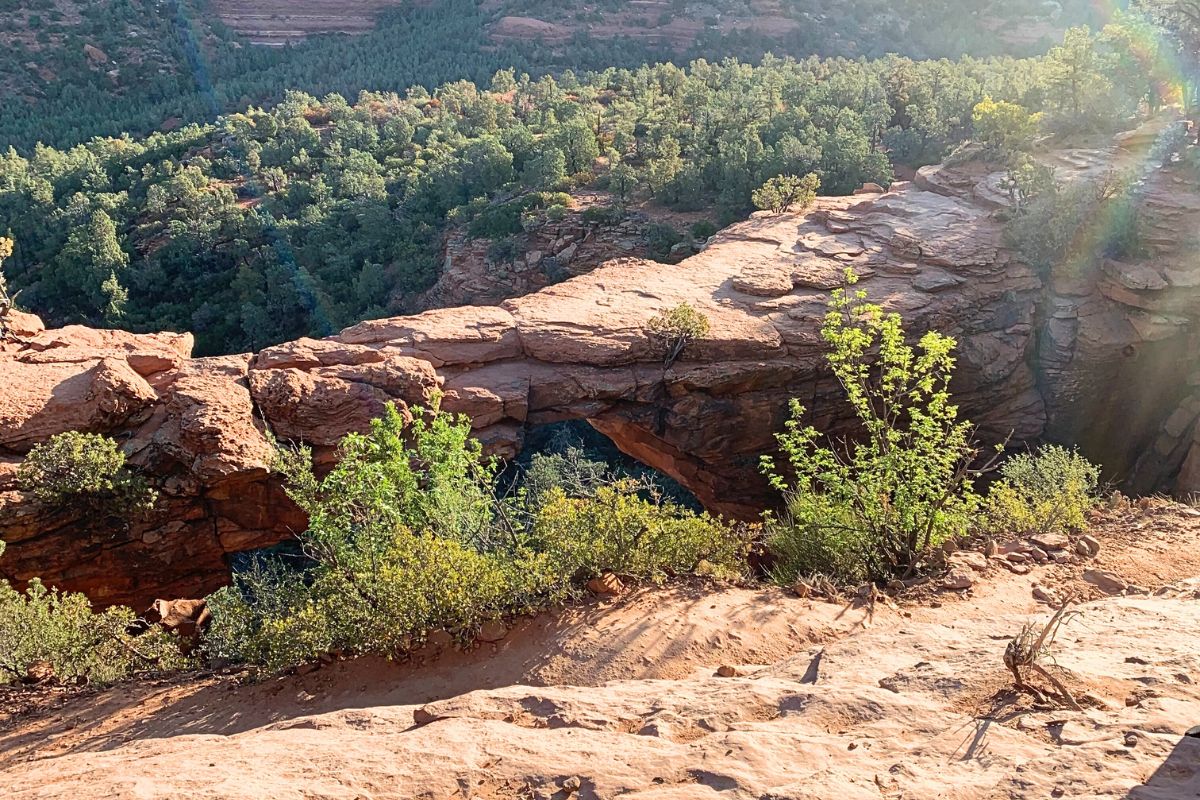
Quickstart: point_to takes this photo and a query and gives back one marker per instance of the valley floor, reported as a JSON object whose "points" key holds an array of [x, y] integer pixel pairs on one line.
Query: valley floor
{"points": [[623, 699]]}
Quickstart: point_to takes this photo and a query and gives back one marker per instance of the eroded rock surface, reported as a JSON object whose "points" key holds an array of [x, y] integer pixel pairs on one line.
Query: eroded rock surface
{"points": [[1099, 359]]}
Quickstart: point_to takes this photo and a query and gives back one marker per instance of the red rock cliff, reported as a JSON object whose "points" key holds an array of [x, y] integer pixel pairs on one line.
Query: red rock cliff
{"points": [[1034, 359]]}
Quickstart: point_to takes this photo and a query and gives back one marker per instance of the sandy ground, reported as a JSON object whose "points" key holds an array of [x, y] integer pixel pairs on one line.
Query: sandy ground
{"points": [[622, 699]]}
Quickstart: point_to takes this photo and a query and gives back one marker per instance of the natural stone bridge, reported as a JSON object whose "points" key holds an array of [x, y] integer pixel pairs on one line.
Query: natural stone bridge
{"points": [[1104, 360]]}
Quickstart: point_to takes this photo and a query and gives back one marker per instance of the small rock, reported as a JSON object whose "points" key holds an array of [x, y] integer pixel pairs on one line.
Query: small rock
{"points": [[606, 585], [423, 716], [990, 548], [949, 546], [958, 579], [1039, 555], [1016, 569], [969, 559], [1060, 556], [571, 785], [727, 671], [1105, 581], [656, 728], [310, 667], [492, 631], [1050, 541], [1017, 558], [439, 639], [1043, 595], [1087, 546], [1131, 739]]}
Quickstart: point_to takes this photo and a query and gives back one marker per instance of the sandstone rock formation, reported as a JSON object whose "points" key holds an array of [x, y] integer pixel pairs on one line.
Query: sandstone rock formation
{"points": [[1099, 360], [547, 252], [277, 23]]}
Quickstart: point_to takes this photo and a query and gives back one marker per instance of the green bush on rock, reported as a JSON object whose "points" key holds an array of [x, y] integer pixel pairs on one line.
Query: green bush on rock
{"points": [[407, 535], [874, 509], [85, 471], [1047, 492], [59, 635]]}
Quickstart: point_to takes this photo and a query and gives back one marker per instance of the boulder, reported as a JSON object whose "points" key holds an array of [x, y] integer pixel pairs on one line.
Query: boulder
{"points": [[1107, 582]]}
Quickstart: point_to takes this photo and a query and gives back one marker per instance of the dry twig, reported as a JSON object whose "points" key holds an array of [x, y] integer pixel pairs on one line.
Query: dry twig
{"points": [[1028, 648]]}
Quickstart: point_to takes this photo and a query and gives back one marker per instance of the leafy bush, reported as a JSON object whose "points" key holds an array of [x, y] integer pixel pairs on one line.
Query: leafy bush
{"points": [[660, 238], [570, 471], [1075, 226], [874, 509], [503, 251], [702, 230], [783, 192], [7, 301], [1047, 492], [497, 221], [406, 535], [60, 629], [603, 215], [676, 328], [1004, 128], [615, 530], [85, 471]]}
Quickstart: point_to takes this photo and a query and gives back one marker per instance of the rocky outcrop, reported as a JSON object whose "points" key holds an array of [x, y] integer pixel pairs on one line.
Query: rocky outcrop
{"points": [[1099, 360], [546, 252], [277, 23]]}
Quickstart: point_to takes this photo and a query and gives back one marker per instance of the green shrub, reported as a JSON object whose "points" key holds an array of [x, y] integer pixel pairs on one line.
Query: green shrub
{"points": [[570, 471], [702, 230], [677, 328], [1047, 492], [1073, 227], [497, 221], [503, 251], [603, 215], [61, 629], [1004, 128], [785, 192], [616, 530], [406, 535], [85, 471], [874, 509], [660, 238]]}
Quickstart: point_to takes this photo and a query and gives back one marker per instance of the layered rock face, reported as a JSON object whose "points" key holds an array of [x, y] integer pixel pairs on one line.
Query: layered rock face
{"points": [[1033, 360]]}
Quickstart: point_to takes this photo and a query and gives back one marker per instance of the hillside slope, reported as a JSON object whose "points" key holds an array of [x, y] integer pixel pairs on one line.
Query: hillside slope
{"points": [[622, 700]]}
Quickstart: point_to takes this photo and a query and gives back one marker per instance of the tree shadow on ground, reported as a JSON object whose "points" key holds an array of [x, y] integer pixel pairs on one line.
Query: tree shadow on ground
{"points": [[1177, 778]]}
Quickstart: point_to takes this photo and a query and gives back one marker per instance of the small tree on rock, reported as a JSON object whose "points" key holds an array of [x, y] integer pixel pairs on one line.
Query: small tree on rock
{"points": [[85, 472], [677, 328], [782, 193], [7, 301]]}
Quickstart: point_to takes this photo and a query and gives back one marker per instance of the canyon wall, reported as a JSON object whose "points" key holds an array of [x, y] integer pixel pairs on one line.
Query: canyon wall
{"points": [[1103, 359]]}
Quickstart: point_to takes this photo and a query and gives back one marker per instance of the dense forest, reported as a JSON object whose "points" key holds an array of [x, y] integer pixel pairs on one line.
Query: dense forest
{"points": [[70, 70], [300, 219]]}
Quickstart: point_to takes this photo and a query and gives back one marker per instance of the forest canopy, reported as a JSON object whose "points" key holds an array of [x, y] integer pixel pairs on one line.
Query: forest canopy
{"points": [[301, 218]]}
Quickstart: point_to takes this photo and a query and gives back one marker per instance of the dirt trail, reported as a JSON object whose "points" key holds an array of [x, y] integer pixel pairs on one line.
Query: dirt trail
{"points": [[622, 699]]}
